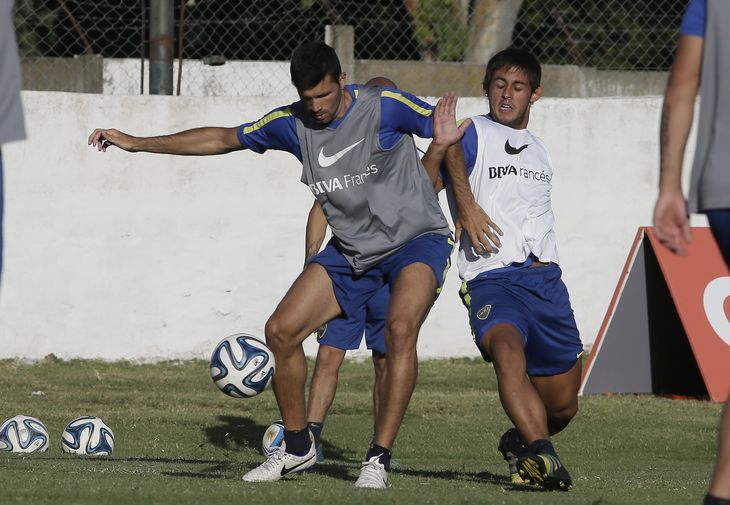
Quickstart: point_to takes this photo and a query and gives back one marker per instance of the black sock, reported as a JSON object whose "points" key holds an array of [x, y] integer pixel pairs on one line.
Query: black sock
{"points": [[316, 429], [543, 446], [297, 442], [382, 453], [714, 500]]}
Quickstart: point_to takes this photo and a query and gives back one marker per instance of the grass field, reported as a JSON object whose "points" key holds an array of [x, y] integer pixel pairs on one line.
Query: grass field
{"points": [[179, 440]]}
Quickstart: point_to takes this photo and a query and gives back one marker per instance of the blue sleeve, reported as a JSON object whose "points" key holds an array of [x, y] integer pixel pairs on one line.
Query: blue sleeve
{"points": [[277, 130], [403, 114], [693, 22], [469, 146]]}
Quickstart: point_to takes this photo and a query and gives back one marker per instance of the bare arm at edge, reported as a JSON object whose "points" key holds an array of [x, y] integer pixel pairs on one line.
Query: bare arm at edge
{"points": [[671, 220], [195, 142]]}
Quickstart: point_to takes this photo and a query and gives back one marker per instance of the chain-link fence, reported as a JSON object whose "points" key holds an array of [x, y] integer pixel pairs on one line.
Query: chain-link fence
{"points": [[103, 46]]}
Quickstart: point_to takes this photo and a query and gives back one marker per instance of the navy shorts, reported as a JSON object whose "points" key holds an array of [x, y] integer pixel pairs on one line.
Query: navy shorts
{"points": [[345, 332], [535, 301], [354, 291]]}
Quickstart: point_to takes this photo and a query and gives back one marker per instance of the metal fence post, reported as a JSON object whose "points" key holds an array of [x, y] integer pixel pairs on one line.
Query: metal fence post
{"points": [[162, 24], [342, 39]]}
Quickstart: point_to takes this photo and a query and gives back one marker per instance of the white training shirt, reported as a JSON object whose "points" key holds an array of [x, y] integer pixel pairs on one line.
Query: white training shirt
{"points": [[510, 178]]}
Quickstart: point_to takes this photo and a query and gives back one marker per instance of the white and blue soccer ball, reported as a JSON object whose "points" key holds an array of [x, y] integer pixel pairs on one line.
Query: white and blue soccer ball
{"points": [[273, 437], [88, 436], [23, 434], [242, 366]]}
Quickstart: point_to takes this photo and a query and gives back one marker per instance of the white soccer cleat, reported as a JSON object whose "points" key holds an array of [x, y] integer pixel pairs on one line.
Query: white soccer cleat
{"points": [[281, 463], [373, 475]]}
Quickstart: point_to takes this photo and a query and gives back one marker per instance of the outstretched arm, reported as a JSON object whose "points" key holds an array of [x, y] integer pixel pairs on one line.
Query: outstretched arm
{"points": [[316, 231], [195, 142], [671, 221]]}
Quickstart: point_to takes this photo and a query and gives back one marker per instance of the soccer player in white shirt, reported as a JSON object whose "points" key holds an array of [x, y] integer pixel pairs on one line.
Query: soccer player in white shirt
{"points": [[519, 309]]}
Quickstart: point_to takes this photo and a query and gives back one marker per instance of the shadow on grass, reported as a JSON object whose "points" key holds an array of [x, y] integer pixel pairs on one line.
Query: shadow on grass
{"points": [[235, 432], [194, 475], [218, 470], [483, 477]]}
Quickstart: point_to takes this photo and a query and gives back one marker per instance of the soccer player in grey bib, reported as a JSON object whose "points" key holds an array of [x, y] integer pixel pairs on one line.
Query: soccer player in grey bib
{"points": [[387, 225]]}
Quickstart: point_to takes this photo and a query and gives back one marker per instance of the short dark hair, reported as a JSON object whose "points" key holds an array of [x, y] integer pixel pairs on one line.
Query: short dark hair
{"points": [[514, 57], [311, 62]]}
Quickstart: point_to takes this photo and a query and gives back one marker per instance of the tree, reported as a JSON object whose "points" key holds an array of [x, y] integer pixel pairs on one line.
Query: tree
{"points": [[492, 23]]}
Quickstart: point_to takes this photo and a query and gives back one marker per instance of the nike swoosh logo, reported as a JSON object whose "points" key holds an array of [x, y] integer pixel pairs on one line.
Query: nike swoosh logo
{"points": [[286, 470], [513, 150], [326, 161]]}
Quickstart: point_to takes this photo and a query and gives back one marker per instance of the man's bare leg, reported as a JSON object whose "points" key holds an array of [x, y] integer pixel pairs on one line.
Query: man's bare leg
{"points": [[322, 391], [380, 368], [519, 398], [720, 484], [309, 303], [559, 394], [524, 406], [412, 296], [323, 387]]}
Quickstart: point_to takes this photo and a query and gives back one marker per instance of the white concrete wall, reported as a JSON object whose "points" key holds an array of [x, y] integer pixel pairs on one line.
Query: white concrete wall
{"points": [[140, 256]]}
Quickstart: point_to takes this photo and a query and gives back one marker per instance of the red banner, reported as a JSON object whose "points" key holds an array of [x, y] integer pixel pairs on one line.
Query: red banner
{"points": [[667, 328]]}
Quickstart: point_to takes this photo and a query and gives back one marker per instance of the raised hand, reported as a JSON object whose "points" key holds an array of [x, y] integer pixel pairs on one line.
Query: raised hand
{"points": [[445, 130]]}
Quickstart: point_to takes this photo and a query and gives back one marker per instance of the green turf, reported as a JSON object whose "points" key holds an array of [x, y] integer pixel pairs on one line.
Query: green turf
{"points": [[179, 441]]}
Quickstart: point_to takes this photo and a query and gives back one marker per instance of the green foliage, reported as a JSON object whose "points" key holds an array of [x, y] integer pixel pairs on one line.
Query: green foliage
{"points": [[34, 26], [440, 30], [179, 441], [607, 34]]}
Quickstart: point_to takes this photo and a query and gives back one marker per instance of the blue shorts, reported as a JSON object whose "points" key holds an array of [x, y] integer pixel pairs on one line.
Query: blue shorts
{"points": [[535, 301], [345, 332], [354, 291]]}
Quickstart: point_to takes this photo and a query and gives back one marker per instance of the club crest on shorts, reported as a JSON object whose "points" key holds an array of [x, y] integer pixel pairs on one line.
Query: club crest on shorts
{"points": [[484, 312], [319, 332]]}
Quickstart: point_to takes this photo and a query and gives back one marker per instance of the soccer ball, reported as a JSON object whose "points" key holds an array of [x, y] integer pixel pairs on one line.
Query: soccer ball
{"points": [[88, 436], [23, 434], [242, 366], [273, 437]]}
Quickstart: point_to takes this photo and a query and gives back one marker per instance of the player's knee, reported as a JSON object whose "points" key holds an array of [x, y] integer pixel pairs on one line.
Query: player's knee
{"points": [[278, 336], [401, 337], [380, 367], [504, 349], [328, 362], [559, 416]]}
